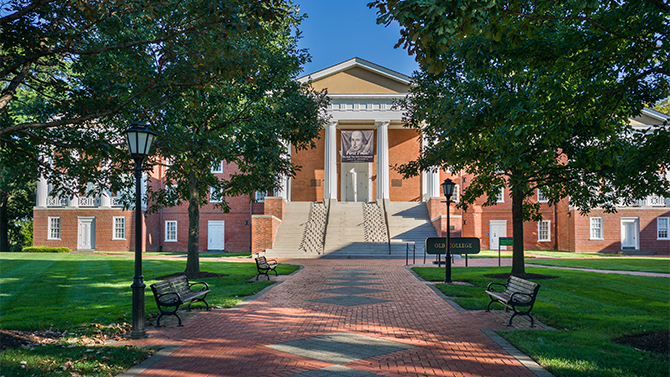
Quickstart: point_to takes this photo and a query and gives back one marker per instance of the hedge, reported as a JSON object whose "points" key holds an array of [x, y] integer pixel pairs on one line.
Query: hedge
{"points": [[45, 249]]}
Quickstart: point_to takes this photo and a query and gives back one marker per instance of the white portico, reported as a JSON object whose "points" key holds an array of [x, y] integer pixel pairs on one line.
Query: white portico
{"points": [[362, 97]]}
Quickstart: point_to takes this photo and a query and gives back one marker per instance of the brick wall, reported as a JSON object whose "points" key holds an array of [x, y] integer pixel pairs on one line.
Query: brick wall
{"points": [[307, 185], [404, 146], [264, 232], [69, 224]]}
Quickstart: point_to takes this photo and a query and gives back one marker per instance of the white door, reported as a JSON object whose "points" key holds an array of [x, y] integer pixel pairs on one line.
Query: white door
{"points": [[497, 229], [215, 235], [356, 182], [629, 233], [86, 239]]}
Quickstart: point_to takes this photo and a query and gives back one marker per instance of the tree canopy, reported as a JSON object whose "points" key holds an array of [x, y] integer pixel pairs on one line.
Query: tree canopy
{"points": [[535, 95]]}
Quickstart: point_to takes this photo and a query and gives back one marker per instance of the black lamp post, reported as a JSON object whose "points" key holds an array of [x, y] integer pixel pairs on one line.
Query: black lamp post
{"points": [[139, 139], [448, 190]]}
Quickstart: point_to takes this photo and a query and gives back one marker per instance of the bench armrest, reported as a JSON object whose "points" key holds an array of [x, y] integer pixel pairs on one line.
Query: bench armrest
{"points": [[272, 262], [161, 298], [488, 287], [205, 288]]}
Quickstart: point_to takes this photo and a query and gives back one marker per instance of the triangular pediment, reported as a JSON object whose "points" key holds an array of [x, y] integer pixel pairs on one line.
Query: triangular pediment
{"points": [[358, 76]]}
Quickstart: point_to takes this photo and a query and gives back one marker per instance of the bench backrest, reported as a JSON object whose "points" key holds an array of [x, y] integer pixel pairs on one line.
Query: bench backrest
{"points": [[261, 261], [516, 284], [178, 285]]}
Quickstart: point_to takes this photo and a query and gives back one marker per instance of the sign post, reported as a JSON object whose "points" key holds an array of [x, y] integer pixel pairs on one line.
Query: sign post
{"points": [[504, 241]]}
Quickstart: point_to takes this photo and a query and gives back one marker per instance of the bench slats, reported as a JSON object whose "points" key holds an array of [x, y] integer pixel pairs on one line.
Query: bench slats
{"points": [[174, 292], [516, 293]]}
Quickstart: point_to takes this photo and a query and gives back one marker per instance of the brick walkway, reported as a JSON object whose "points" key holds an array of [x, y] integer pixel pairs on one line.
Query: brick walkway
{"points": [[339, 318]]}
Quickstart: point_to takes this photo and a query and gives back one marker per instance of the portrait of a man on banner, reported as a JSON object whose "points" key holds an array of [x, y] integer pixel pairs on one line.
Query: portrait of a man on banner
{"points": [[358, 146]]}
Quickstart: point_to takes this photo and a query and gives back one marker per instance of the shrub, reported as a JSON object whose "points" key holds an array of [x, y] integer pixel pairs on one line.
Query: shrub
{"points": [[45, 249]]}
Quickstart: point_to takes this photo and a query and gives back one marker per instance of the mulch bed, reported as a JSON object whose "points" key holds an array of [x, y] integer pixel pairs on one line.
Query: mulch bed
{"points": [[657, 342], [15, 339], [523, 276], [197, 275]]}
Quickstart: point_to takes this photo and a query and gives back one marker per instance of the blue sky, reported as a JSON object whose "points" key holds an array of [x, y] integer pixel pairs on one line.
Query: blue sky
{"points": [[336, 31]]}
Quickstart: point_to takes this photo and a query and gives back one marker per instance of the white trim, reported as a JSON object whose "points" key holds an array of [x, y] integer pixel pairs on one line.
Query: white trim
{"points": [[356, 62], [114, 223], [217, 168], [51, 229], [599, 228], [539, 231], [659, 229], [500, 198], [635, 223], [167, 231], [213, 195], [541, 198]]}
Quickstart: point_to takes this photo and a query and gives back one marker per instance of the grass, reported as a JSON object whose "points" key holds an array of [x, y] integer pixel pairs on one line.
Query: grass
{"points": [[658, 265], [588, 309], [73, 291]]}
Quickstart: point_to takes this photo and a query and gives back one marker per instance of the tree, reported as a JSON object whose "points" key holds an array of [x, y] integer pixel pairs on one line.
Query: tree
{"points": [[75, 73], [538, 96], [17, 196], [247, 120]]}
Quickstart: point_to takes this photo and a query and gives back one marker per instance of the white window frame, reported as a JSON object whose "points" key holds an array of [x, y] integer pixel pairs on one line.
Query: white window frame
{"points": [[259, 196], [54, 226], [213, 195], [168, 231], [548, 231], [118, 233], [596, 228], [541, 198], [456, 195], [217, 167], [660, 228], [500, 198]]}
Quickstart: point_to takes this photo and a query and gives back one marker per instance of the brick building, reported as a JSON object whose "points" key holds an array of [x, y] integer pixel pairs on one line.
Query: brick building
{"points": [[350, 166]]}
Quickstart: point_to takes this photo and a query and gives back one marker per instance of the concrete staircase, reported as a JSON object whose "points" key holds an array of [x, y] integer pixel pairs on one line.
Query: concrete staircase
{"points": [[352, 230], [408, 224], [346, 233], [290, 233]]}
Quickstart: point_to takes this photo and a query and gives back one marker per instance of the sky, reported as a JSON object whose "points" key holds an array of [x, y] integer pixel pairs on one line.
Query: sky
{"points": [[338, 30]]}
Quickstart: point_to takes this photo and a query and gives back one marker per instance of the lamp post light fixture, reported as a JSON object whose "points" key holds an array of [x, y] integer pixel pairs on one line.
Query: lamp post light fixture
{"points": [[448, 190], [139, 139]]}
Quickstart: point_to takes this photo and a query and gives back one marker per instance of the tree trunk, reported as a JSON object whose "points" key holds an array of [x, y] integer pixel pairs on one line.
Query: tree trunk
{"points": [[4, 224], [193, 258], [518, 266]]}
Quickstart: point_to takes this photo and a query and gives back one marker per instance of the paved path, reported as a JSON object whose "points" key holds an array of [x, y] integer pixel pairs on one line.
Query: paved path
{"points": [[341, 318]]}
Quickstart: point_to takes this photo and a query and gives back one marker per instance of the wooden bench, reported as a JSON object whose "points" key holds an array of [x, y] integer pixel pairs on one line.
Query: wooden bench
{"points": [[172, 293], [517, 293], [265, 266]]}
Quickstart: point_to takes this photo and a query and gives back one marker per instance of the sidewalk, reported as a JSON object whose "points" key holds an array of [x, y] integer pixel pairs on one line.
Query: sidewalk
{"points": [[340, 318]]}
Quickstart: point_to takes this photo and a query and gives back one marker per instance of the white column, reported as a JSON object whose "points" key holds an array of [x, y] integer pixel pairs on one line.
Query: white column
{"points": [[42, 191], [354, 183], [382, 159], [433, 182], [330, 162], [106, 198], [284, 180], [370, 197]]}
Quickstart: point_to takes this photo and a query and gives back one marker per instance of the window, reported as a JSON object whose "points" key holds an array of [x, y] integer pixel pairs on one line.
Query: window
{"points": [[217, 167], [54, 228], [260, 196], [596, 228], [171, 231], [214, 195], [501, 195], [540, 197], [544, 231], [119, 228], [456, 196], [662, 225]]}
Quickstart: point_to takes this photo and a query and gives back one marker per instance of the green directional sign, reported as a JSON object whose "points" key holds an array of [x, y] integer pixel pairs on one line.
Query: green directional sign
{"points": [[459, 245], [506, 241]]}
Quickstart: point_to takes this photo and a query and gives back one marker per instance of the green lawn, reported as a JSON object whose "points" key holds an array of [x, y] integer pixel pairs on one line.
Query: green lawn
{"points": [[658, 265], [588, 309], [75, 291]]}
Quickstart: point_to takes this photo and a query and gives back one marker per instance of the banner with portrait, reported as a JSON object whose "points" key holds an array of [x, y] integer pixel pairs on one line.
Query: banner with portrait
{"points": [[358, 146]]}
